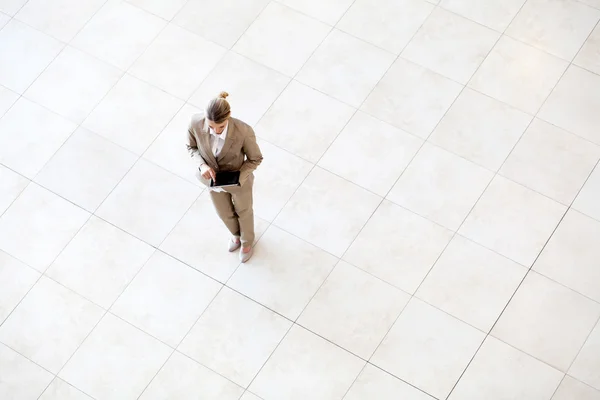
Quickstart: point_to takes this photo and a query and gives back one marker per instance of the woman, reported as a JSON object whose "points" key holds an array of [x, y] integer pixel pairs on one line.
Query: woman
{"points": [[219, 142]]}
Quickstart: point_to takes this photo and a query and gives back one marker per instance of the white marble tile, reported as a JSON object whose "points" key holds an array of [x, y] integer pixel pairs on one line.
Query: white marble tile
{"points": [[16, 279], [183, 378], [586, 366], [24, 53], [100, 262], [587, 200], [374, 383], [61, 19], [558, 27], [547, 320], [7, 97], [21, 379], [440, 186], [116, 361], [327, 11], [118, 33], [345, 68], [49, 324], [11, 7], [235, 336], [495, 14], [512, 220], [281, 38], [570, 389], [38, 225], [428, 348], [573, 104], [471, 283], [353, 310], [518, 74], [480, 129], [222, 22], [398, 246], [165, 298], [177, 61], [86, 169], [589, 54], [166, 9], [61, 390], [135, 108], [73, 84], [284, 273], [306, 366], [500, 372], [320, 213], [412, 98], [249, 396], [450, 45], [11, 185], [299, 114], [4, 19], [389, 24]]}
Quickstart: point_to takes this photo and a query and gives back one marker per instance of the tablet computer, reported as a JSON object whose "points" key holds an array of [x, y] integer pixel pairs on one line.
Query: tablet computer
{"points": [[226, 178]]}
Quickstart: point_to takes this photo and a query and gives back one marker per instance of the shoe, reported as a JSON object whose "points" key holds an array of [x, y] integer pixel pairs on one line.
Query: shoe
{"points": [[234, 244], [245, 256]]}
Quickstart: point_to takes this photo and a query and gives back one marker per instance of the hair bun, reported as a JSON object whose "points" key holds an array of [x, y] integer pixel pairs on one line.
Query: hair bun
{"points": [[223, 95]]}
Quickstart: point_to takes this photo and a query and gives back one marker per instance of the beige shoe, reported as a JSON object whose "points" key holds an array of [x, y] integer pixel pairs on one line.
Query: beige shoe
{"points": [[234, 244], [245, 256]]}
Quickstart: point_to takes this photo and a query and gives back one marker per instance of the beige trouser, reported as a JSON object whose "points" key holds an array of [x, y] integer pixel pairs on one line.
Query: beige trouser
{"points": [[234, 207]]}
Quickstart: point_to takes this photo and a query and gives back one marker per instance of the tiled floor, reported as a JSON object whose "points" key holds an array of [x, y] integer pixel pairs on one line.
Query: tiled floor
{"points": [[428, 210]]}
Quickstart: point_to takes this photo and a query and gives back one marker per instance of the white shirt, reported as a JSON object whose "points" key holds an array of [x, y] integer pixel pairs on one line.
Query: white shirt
{"points": [[218, 141]]}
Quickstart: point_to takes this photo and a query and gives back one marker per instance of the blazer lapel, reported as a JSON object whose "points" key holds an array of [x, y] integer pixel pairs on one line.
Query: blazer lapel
{"points": [[228, 140]]}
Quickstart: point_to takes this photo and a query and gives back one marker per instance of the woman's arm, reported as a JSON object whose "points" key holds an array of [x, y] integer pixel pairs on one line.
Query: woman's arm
{"points": [[253, 156]]}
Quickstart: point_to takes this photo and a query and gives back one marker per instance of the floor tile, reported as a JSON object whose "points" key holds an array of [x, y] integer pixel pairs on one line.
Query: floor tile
{"points": [[20, 146], [252, 87], [134, 107], [228, 19], [21, 379], [440, 186], [412, 98], [573, 104], [389, 24], [183, 378], [278, 177], [249, 396], [551, 161], [548, 321], [284, 273], [428, 348], [512, 220], [586, 367], [11, 7], [61, 19], [73, 84], [558, 27], [327, 11], [281, 38], [345, 68], [374, 383], [177, 61], [7, 98], [148, 190], [306, 366], [518, 74], [460, 131], [450, 45], [353, 310], [589, 55], [100, 262], [166, 9], [380, 152], [174, 296], [495, 14], [49, 324], [4, 19], [116, 361], [46, 220], [587, 200], [61, 390], [572, 389], [24, 53], [16, 279], [235, 336], [471, 283], [11, 185], [500, 372], [398, 246], [86, 169], [319, 213], [298, 111], [118, 33], [200, 239]]}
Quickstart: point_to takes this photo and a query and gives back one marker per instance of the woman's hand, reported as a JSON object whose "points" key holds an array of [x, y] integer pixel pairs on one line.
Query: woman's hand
{"points": [[207, 172]]}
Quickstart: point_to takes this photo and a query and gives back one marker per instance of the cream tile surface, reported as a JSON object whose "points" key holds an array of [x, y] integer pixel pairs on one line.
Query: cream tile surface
{"points": [[61, 390], [21, 379], [518, 74], [165, 9], [589, 55], [235, 336], [11, 185], [586, 366], [249, 396], [319, 214], [496, 14], [4, 19], [411, 98], [11, 7], [16, 279], [398, 246], [573, 389], [306, 366], [38, 225], [586, 201], [328, 11], [7, 98], [512, 220], [374, 383]]}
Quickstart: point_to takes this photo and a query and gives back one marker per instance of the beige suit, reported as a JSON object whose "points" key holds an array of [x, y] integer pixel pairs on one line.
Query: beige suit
{"points": [[239, 153]]}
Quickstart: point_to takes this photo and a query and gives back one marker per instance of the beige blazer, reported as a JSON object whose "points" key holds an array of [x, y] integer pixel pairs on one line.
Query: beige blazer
{"points": [[239, 153]]}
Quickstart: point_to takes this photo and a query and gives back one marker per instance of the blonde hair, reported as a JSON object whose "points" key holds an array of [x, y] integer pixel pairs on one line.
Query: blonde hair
{"points": [[218, 109]]}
